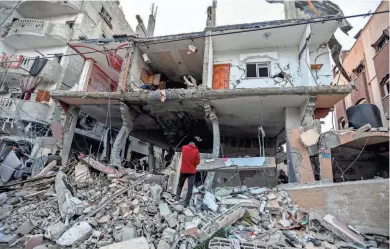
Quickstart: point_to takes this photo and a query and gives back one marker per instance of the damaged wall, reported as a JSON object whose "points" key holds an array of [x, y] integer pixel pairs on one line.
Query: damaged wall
{"points": [[362, 204], [285, 57], [319, 54]]}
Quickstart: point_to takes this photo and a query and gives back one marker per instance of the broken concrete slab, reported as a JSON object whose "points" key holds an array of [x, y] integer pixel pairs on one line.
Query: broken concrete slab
{"points": [[55, 231], [155, 191], [162, 244], [34, 241], [251, 203], [342, 230], [8, 238], [75, 235], [137, 243], [99, 166], [168, 234], [26, 227], [164, 210]]}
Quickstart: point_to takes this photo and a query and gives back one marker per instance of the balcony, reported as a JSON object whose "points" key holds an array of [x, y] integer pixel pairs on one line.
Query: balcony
{"points": [[50, 73], [31, 33], [26, 110], [49, 8]]}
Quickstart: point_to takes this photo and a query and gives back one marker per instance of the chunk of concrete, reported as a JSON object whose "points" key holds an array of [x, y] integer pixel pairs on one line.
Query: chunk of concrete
{"points": [[82, 175], [34, 241], [55, 231], [209, 201], [271, 196], [342, 230], [328, 245], [8, 238], [155, 192], [26, 227], [256, 191], [128, 233], [168, 234], [310, 137], [75, 235], [172, 220], [164, 210], [105, 219], [137, 243], [162, 244]]}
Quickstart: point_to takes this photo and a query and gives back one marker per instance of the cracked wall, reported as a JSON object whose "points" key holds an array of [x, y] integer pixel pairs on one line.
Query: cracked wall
{"points": [[279, 57]]}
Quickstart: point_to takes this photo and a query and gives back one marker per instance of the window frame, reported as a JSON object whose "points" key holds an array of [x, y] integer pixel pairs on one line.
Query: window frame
{"points": [[106, 16], [258, 65], [385, 90]]}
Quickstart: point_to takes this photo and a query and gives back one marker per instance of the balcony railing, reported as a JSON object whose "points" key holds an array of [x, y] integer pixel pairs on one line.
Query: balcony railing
{"points": [[26, 110], [40, 28]]}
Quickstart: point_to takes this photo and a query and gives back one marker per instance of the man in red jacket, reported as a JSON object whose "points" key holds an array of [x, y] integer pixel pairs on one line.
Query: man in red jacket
{"points": [[189, 160]]}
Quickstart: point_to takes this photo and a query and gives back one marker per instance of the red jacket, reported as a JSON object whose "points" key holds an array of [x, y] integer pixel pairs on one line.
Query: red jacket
{"points": [[189, 159]]}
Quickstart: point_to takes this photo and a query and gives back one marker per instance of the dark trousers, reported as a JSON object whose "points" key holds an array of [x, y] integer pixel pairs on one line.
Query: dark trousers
{"points": [[191, 180]]}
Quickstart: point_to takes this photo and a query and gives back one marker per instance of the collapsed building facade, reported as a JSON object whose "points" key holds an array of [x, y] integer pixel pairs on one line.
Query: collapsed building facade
{"points": [[258, 86], [36, 59]]}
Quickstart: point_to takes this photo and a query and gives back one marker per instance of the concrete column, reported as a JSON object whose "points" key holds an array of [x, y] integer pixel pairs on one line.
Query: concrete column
{"points": [[299, 165], [84, 77], [151, 158], [120, 140], [208, 62], [326, 170], [216, 142], [69, 128], [124, 74]]}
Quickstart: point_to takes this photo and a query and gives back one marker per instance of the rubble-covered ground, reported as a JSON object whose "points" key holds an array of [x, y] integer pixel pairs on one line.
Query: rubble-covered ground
{"points": [[89, 208]]}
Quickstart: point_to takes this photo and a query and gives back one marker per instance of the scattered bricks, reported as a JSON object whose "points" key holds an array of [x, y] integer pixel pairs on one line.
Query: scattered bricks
{"points": [[26, 227], [164, 210], [34, 241], [75, 235], [105, 219], [137, 243], [162, 244], [55, 231], [342, 230]]}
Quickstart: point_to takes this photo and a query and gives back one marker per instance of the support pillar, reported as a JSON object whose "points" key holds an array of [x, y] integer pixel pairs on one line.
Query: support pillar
{"points": [[299, 165], [208, 62], [210, 113], [69, 128], [120, 140], [151, 158], [326, 170]]}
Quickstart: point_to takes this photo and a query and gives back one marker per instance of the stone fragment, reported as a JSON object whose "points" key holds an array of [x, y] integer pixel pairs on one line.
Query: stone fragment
{"points": [[34, 241], [123, 208], [284, 223], [55, 231], [155, 191], [82, 175], [162, 244], [178, 208], [164, 210], [75, 235], [135, 202], [172, 220], [188, 212], [137, 243], [104, 219], [271, 196], [128, 233], [168, 234], [26, 227], [8, 238]]}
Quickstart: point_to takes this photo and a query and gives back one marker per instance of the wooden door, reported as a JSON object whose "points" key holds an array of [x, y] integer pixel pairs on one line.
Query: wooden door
{"points": [[221, 76]]}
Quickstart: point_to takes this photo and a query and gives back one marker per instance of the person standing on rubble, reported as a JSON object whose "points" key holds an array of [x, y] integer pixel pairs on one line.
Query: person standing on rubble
{"points": [[56, 157], [190, 159]]}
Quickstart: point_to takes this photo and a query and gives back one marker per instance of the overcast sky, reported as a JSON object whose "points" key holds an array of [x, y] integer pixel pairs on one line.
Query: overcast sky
{"points": [[183, 16]]}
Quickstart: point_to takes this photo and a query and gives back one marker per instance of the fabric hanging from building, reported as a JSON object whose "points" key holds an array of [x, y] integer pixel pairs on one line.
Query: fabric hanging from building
{"points": [[37, 66], [29, 83]]}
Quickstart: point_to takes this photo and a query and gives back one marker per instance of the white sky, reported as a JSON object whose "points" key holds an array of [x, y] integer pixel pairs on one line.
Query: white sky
{"points": [[183, 16]]}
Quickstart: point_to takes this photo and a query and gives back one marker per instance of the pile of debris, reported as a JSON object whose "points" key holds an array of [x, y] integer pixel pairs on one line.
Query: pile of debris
{"points": [[95, 206]]}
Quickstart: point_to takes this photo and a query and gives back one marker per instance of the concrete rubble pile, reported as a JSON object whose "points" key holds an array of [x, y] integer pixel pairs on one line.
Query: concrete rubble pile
{"points": [[89, 208]]}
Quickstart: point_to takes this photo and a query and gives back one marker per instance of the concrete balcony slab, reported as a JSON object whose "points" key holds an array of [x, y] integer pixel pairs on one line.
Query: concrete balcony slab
{"points": [[48, 8], [31, 33], [26, 110]]}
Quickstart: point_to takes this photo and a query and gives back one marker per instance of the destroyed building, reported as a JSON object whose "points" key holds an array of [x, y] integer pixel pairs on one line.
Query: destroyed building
{"points": [[253, 96], [36, 59]]}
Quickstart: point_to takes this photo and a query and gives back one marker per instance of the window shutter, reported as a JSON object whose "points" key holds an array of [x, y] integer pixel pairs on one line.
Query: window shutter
{"points": [[221, 76]]}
